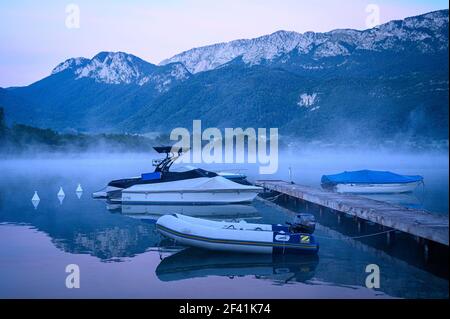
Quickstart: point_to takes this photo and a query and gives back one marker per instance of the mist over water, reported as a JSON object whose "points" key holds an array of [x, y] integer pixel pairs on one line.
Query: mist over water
{"points": [[109, 243], [304, 165]]}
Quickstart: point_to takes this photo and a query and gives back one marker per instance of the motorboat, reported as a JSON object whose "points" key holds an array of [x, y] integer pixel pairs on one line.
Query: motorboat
{"points": [[195, 186], [371, 182], [240, 237], [234, 175]]}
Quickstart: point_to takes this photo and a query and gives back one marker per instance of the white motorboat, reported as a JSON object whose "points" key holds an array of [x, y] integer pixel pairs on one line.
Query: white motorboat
{"points": [[201, 190], [238, 237], [195, 186], [371, 182]]}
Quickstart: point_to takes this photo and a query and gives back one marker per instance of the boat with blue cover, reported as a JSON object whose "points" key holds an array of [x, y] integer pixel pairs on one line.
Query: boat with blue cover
{"points": [[371, 182], [239, 237]]}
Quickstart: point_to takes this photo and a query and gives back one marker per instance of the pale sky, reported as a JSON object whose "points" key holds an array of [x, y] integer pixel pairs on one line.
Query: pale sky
{"points": [[34, 36]]}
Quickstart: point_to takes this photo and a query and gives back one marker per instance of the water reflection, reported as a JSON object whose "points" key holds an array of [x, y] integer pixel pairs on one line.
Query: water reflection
{"points": [[410, 200], [153, 212], [83, 229], [195, 263]]}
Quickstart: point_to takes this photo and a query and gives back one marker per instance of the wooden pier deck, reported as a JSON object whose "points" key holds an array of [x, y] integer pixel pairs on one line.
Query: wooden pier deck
{"points": [[420, 223]]}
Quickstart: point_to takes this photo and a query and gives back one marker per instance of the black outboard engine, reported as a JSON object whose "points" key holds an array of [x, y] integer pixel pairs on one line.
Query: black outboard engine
{"points": [[303, 223]]}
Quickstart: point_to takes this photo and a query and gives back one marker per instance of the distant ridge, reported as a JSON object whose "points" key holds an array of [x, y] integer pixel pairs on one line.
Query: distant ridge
{"points": [[382, 84], [329, 44]]}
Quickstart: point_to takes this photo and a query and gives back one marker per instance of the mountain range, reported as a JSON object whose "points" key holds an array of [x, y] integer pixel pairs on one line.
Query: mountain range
{"points": [[387, 82]]}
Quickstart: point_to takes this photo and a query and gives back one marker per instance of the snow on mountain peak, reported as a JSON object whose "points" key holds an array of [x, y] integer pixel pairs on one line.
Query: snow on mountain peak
{"points": [[339, 42], [252, 51], [69, 64], [112, 68], [123, 68]]}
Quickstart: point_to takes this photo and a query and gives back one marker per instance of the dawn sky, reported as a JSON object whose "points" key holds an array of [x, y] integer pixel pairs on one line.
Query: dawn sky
{"points": [[36, 35]]}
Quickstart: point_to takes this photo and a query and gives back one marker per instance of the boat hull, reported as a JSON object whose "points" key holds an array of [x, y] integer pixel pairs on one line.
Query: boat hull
{"points": [[229, 237], [188, 197], [391, 188], [106, 192]]}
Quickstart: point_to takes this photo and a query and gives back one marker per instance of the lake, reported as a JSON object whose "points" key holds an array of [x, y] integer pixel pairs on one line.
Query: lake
{"points": [[120, 255]]}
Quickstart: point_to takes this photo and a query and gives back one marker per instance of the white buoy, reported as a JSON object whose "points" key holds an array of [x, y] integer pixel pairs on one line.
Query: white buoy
{"points": [[79, 191], [35, 200], [61, 195]]}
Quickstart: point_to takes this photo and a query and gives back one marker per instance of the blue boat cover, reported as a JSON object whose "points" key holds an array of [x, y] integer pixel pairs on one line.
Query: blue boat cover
{"points": [[369, 177]]}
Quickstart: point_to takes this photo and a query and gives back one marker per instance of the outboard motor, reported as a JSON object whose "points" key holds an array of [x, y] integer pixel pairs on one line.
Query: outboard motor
{"points": [[303, 223]]}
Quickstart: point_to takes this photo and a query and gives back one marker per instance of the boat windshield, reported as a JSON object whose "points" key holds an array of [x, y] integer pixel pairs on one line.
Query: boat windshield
{"points": [[182, 168]]}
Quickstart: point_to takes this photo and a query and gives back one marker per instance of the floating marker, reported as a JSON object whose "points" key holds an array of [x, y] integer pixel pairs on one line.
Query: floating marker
{"points": [[35, 200], [61, 195], [79, 191]]}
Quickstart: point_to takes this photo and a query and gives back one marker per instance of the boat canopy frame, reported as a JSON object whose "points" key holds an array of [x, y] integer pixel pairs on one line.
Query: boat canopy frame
{"points": [[172, 154]]}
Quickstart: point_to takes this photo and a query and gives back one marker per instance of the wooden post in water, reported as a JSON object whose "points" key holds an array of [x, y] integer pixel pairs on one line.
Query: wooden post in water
{"points": [[426, 251], [290, 175]]}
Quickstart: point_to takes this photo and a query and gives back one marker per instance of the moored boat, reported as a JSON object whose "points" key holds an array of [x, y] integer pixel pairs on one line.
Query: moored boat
{"points": [[194, 186], [371, 182], [237, 237]]}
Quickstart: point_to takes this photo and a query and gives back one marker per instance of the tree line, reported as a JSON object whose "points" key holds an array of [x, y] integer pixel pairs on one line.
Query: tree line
{"points": [[20, 138]]}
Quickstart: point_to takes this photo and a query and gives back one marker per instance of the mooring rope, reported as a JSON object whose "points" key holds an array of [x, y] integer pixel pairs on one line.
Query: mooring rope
{"points": [[271, 199], [358, 237]]}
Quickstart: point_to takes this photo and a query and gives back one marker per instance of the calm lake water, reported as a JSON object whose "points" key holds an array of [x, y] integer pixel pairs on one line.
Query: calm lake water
{"points": [[120, 255]]}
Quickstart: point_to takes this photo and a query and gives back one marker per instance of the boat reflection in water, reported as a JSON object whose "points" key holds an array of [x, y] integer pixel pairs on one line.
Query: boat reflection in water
{"points": [[194, 263], [409, 200], [153, 212]]}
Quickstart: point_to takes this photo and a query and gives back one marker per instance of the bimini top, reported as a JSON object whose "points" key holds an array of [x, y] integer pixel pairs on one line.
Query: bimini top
{"points": [[369, 177], [170, 149]]}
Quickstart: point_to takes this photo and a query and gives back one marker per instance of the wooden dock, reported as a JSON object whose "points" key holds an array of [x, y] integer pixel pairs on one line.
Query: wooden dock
{"points": [[419, 223]]}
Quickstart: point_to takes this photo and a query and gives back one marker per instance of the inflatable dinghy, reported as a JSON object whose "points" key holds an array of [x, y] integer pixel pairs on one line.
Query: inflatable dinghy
{"points": [[236, 237]]}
